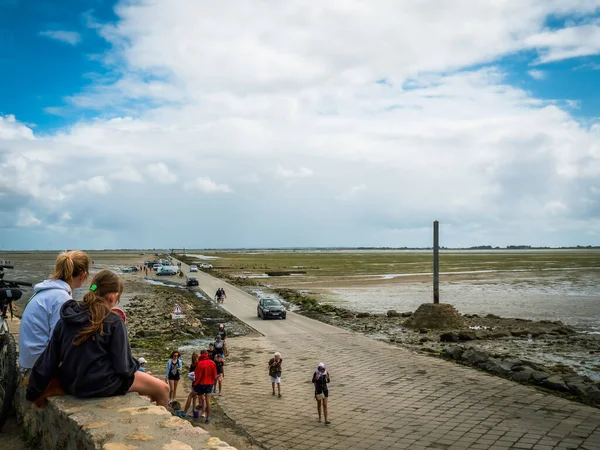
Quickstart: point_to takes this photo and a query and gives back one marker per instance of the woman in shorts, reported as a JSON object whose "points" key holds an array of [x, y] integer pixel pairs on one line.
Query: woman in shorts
{"points": [[275, 372], [320, 379], [173, 375]]}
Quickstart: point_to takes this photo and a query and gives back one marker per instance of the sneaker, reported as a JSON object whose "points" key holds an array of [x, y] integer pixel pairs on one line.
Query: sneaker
{"points": [[273, 393], [220, 395], [327, 422], [279, 396], [202, 415], [207, 420]]}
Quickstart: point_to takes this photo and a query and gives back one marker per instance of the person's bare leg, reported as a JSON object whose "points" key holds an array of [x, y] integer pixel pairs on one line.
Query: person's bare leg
{"points": [[273, 386], [171, 390], [325, 410], [188, 401], [279, 388], [175, 383], [220, 384], [319, 409], [145, 384]]}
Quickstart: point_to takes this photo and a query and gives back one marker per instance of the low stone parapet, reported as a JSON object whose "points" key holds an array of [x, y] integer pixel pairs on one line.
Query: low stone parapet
{"points": [[126, 422]]}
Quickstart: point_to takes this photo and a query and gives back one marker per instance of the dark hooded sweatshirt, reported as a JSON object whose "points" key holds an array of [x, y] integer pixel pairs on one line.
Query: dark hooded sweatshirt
{"points": [[101, 366]]}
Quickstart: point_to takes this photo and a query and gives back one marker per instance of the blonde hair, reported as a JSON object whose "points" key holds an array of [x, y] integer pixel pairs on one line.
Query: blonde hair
{"points": [[71, 264], [104, 282]]}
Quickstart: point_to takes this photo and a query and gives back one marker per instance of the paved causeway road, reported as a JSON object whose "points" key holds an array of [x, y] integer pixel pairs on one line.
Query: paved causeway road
{"points": [[383, 396]]}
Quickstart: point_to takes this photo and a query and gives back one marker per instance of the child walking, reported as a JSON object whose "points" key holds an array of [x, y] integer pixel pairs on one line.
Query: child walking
{"points": [[220, 362], [89, 350], [275, 372]]}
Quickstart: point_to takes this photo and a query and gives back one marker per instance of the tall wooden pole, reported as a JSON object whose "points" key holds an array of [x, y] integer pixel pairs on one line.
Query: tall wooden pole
{"points": [[436, 262]]}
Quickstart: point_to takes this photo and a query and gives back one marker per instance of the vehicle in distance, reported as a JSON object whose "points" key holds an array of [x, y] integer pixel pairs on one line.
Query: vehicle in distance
{"points": [[191, 281], [129, 269], [157, 266], [167, 270], [193, 268], [206, 266], [270, 307]]}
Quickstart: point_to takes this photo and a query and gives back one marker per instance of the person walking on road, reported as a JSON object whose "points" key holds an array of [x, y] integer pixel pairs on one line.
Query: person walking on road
{"points": [[220, 296], [43, 309], [204, 380], [274, 367], [173, 374], [320, 379], [223, 335]]}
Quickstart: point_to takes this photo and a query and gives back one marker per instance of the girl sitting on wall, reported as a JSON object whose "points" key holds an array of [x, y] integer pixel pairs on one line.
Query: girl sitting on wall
{"points": [[89, 350]]}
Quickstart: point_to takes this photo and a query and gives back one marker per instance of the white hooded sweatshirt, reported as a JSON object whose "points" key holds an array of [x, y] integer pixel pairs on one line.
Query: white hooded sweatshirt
{"points": [[39, 318]]}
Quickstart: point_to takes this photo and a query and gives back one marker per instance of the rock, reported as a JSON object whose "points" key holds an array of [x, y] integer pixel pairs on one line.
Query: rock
{"points": [[492, 316], [449, 337], [424, 339], [406, 314], [498, 334], [467, 335], [539, 375], [393, 313], [363, 315], [520, 333], [577, 385], [475, 357], [496, 366], [512, 362], [481, 334], [565, 330], [436, 316], [454, 352], [593, 394], [521, 373], [556, 383]]}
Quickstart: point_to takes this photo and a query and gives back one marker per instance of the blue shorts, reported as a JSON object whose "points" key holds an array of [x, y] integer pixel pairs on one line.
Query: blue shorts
{"points": [[203, 389]]}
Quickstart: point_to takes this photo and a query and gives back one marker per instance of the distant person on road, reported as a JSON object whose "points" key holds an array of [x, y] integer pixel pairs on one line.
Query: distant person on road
{"points": [[41, 314], [320, 379], [274, 367], [204, 380], [89, 352], [173, 374], [220, 296]]}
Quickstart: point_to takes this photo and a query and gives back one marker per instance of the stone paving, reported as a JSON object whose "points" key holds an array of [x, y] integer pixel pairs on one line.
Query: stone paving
{"points": [[385, 397]]}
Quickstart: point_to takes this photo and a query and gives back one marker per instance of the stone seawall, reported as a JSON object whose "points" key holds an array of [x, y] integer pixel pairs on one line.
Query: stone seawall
{"points": [[127, 422]]}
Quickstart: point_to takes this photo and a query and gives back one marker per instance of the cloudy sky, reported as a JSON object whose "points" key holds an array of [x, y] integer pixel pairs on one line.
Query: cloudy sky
{"points": [[171, 123]]}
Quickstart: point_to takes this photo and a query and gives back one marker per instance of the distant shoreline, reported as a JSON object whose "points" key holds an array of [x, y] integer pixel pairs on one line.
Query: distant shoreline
{"points": [[309, 249]]}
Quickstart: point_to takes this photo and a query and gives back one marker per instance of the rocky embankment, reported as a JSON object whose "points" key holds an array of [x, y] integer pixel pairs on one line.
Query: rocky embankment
{"points": [[152, 331]]}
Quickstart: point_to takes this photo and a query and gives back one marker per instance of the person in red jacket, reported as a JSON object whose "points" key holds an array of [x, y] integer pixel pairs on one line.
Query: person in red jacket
{"points": [[204, 379]]}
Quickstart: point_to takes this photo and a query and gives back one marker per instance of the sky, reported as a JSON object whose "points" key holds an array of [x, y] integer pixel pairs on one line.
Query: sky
{"points": [[188, 123]]}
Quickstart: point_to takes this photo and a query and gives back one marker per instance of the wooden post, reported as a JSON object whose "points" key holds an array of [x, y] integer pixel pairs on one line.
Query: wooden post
{"points": [[436, 262]]}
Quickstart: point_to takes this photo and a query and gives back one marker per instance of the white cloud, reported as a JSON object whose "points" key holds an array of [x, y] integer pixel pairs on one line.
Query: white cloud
{"points": [[128, 174], [96, 185], [566, 43], [207, 185], [68, 37], [160, 173], [27, 219], [287, 174], [537, 74]]}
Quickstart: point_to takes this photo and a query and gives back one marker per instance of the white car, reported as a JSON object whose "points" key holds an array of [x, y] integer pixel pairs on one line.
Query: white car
{"points": [[206, 266], [193, 268]]}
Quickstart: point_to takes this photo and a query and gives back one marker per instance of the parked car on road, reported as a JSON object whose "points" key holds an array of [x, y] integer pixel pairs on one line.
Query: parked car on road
{"points": [[167, 270], [191, 281], [193, 268], [270, 307], [157, 266], [206, 266]]}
